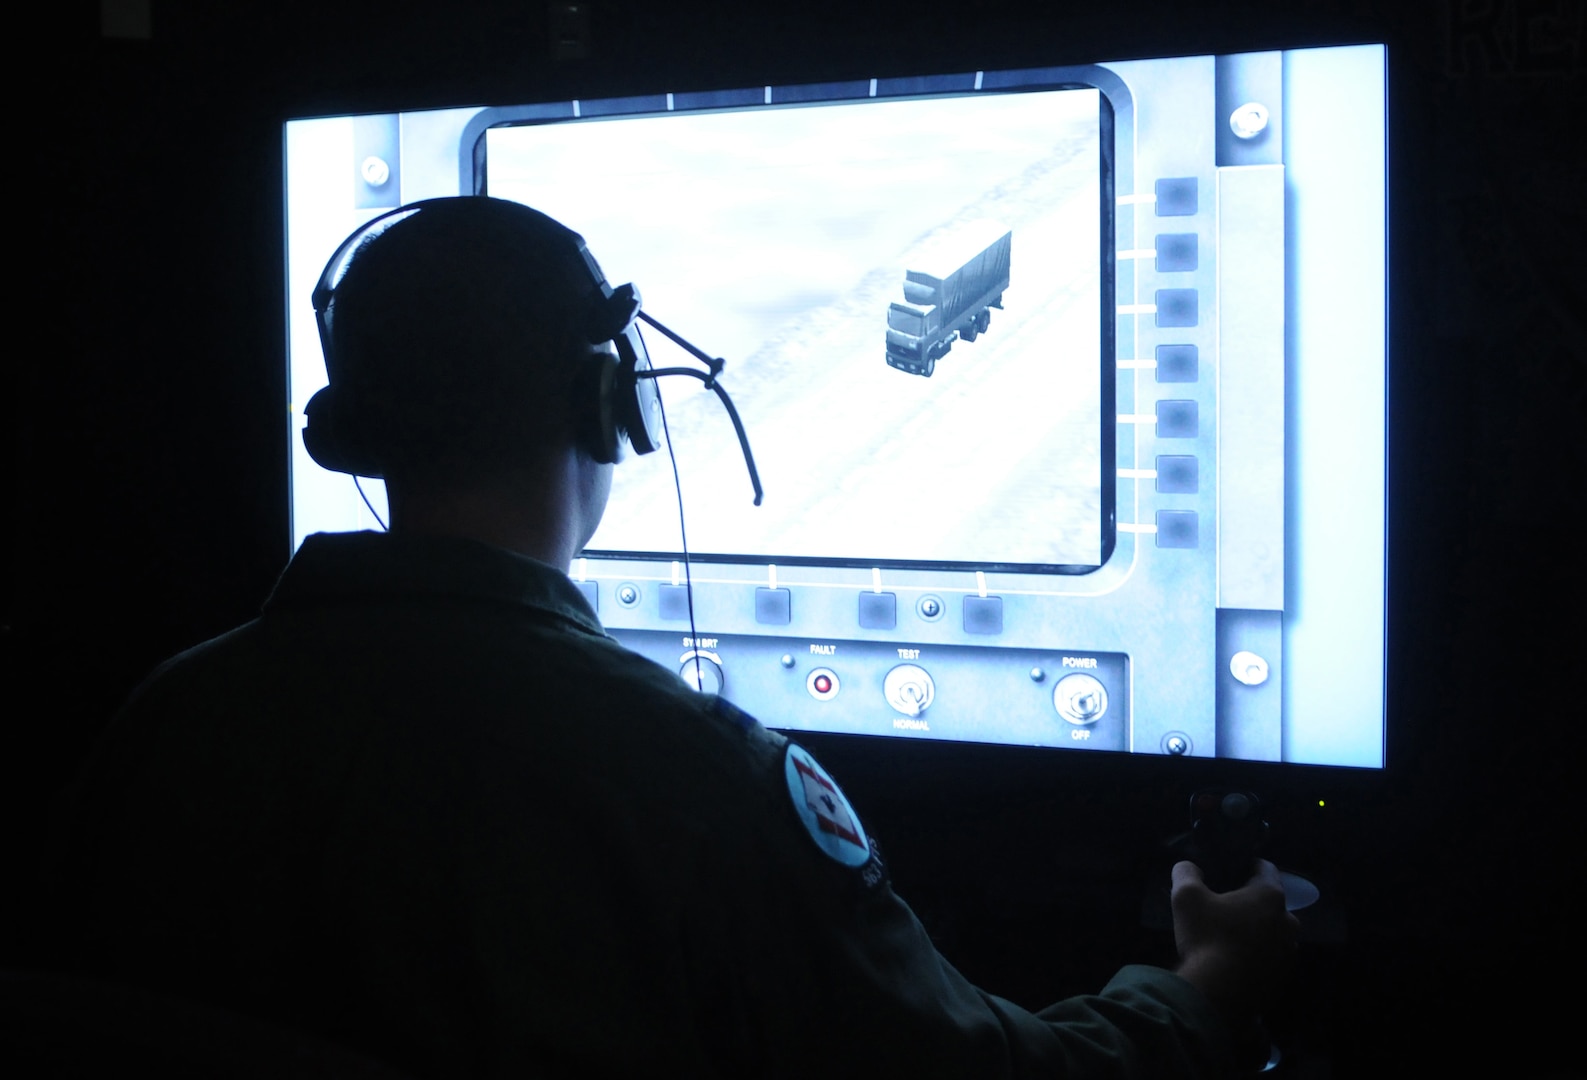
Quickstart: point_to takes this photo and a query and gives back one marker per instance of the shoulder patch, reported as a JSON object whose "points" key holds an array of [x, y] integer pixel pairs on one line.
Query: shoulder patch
{"points": [[824, 810]]}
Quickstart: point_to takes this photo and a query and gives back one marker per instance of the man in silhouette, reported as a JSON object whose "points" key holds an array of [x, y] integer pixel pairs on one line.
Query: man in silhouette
{"points": [[425, 806]]}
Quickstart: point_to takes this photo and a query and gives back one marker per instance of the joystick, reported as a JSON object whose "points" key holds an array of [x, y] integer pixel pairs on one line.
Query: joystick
{"points": [[1227, 831]]}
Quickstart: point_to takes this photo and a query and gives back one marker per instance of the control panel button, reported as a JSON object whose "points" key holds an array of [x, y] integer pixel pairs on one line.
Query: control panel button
{"points": [[878, 610], [909, 689], [1178, 419], [773, 606], [1178, 474], [1176, 251], [702, 671], [1177, 307], [673, 601], [1177, 363], [1178, 529], [822, 683], [1176, 196], [1080, 699], [983, 614]]}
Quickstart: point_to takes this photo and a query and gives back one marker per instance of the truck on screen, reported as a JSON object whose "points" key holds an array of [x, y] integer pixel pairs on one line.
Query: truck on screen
{"points": [[949, 293]]}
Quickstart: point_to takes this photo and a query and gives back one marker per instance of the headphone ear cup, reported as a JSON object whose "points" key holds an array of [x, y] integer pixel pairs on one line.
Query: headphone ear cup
{"points": [[593, 394], [638, 404], [327, 438], [319, 431]]}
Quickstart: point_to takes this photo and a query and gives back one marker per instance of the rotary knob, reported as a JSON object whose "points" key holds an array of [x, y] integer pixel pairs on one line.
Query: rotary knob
{"points": [[909, 689], [702, 671], [1080, 699]]}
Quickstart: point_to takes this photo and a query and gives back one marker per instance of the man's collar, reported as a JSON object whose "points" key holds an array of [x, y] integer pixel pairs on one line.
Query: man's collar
{"points": [[340, 567]]}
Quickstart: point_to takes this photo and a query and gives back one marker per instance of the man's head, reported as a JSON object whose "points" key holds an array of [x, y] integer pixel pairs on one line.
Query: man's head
{"points": [[467, 351], [456, 340]]}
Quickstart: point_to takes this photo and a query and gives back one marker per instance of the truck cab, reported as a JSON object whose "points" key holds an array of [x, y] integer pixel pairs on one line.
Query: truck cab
{"points": [[911, 338]]}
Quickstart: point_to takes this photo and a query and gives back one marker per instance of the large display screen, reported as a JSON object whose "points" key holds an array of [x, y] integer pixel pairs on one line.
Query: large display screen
{"points": [[1067, 388], [913, 329]]}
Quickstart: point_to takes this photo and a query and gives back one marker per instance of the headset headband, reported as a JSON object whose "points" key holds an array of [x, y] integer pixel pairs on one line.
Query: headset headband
{"points": [[336, 266]]}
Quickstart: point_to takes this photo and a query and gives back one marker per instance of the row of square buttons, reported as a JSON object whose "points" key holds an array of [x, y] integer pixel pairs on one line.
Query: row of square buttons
{"points": [[877, 610], [774, 607], [1177, 474]]}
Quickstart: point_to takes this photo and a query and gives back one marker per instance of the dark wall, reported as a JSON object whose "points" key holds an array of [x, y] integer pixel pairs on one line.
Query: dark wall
{"points": [[149, 446]]}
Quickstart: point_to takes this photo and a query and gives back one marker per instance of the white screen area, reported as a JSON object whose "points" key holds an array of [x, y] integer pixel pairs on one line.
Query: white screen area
{"points": [[778, 239]]}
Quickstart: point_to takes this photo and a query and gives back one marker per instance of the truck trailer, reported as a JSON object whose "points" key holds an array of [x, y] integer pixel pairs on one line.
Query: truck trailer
{"points": [[949, 295]]}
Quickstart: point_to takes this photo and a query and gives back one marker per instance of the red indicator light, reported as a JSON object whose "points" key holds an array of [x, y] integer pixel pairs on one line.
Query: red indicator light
{"points": [[823, 684]]}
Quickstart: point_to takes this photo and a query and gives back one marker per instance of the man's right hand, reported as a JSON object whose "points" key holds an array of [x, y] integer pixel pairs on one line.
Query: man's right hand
{"points": [[1235, 947]]}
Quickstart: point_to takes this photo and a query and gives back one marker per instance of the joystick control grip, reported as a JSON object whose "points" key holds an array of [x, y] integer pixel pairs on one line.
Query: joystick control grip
{"points": [[1227, 831]]}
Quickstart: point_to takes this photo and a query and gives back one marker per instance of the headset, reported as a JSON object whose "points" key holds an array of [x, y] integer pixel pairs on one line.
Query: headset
{"points": [[615, 398], [616, 402]]}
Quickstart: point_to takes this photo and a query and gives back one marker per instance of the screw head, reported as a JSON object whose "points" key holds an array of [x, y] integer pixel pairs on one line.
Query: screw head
{"points": [[1249, 120], [1248, 668], [375, 171]]}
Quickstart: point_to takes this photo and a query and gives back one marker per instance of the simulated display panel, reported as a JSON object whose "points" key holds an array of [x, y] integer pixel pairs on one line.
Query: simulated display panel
{"points": [[916, 334], [1067, 387]]}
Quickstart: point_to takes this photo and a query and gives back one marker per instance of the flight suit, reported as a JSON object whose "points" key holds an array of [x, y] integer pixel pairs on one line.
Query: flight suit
{"points": [[425, 806]]}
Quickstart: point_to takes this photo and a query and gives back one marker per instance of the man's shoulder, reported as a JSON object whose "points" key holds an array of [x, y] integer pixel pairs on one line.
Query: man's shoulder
{"points": [[457, 679], [598, 680], [235, 648]]}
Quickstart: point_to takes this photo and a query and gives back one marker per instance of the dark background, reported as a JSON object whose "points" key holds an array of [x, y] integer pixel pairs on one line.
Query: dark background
{"points": [[148, 480]]}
